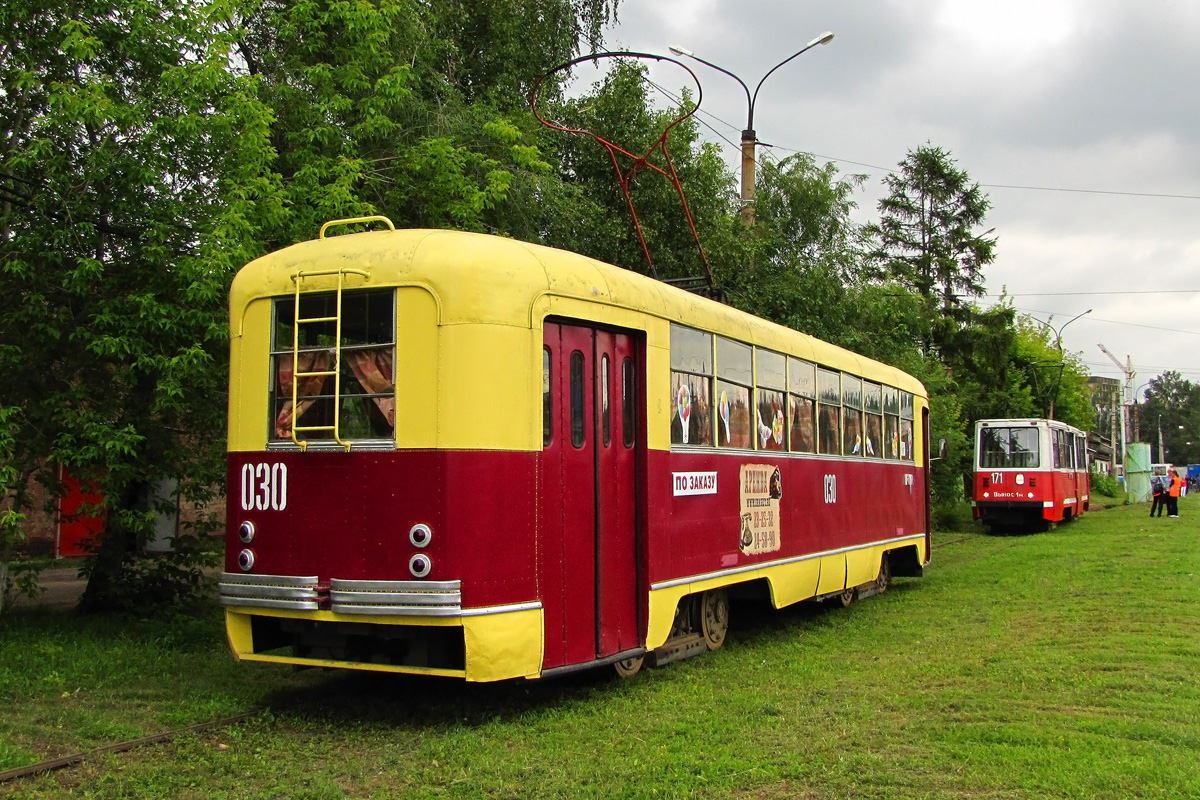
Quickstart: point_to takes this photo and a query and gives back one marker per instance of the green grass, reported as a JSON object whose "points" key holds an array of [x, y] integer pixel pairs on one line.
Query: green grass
{"points": [[1056, 665]]}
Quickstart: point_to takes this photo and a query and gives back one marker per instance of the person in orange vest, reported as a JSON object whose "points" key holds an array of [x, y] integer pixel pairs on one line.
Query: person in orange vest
{"points": [[1174, 487]]}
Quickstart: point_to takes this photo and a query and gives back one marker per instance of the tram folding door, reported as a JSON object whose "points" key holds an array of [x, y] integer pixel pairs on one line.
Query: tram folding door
{"points": [[587, 503]]}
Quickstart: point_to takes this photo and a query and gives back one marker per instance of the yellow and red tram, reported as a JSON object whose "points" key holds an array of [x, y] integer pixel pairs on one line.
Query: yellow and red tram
{"points": [[463, 455]]}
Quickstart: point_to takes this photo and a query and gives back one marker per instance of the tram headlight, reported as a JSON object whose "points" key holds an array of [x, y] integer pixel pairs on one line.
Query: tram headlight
{"points": [[420, 534], [246, 560], [420, 565], [246, 532]]}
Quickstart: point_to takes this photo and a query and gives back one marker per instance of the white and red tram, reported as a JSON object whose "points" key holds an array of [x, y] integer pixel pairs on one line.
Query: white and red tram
{"points": [[1029, 473]]}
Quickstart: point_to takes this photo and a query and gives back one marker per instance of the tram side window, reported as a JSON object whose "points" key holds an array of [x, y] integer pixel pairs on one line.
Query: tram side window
{"points": [[829, 412], [691, 386], [852, 422], [802, 398], [873, 412], [304, 359], [891, 422], [734, 373], [1081, 460], [1013, 448], [907, 449], [771, 375], [1062, 449]]}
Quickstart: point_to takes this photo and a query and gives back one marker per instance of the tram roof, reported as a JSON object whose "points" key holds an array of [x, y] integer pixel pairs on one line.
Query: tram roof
{"points": [[1017, 422], [480, 278]]}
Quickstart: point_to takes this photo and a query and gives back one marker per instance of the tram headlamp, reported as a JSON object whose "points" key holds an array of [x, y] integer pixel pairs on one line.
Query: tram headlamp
{"points": [[246, 532], [420, 534], [246, 560], [420, 565]]}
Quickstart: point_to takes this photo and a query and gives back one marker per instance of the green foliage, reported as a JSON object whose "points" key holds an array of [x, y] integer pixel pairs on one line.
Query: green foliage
{"points": [[1172, 405], [132, 170], [1104, 484], [925, 237]]}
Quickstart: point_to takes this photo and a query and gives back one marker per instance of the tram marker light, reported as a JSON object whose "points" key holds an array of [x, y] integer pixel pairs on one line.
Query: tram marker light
{"points": [[246, 532], [420, 535], [420, 565], [246, 560]]}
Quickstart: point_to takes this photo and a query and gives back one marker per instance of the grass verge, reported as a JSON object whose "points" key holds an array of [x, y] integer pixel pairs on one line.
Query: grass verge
{"points": [[1052, 665]]}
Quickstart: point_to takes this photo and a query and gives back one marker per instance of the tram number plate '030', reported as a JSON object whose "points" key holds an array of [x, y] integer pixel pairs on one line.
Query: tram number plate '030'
{"points": [[264, 487], [831, 488]]}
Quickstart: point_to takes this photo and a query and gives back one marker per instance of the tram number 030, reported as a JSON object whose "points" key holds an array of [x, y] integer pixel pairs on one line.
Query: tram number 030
{"points": [[831, 488], [264, 487]]}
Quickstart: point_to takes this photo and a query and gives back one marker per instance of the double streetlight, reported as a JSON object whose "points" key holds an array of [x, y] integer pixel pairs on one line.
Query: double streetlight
{"points": [[749, 141]]}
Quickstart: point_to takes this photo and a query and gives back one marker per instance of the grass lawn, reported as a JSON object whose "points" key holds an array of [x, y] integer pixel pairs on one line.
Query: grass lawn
{"points": [[1055, 665]]}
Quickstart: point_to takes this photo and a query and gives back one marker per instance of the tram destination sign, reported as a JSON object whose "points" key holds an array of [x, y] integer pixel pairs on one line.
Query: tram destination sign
{"points": [[690, 483]]}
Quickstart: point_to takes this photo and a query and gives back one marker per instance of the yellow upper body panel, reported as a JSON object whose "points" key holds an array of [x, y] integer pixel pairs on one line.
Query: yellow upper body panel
{"points": [[499, 291]]}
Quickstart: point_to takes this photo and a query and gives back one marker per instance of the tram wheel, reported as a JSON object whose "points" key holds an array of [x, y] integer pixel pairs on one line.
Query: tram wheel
{"points": [[629, 666], [714, 617], [885, 575], [844, 599]]}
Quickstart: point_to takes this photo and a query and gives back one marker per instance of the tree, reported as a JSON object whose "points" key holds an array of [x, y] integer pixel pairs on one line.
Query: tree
{"points": [[803, 259], [925, 236], [133, 166], [1173, 406]]}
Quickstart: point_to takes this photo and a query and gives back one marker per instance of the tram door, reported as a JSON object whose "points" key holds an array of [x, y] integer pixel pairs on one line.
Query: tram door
{"points": [[587, 510]]}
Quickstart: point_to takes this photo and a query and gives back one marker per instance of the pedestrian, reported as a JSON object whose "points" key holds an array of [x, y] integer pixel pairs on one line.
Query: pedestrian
{"points": [[1174, 486], [1157, 490]]}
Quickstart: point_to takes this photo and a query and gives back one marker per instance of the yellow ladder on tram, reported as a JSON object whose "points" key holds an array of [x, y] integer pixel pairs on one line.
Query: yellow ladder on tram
{"points": [[334, 368]]}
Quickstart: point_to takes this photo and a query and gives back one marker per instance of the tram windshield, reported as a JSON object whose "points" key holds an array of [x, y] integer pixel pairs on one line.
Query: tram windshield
{"points": [[1008, 448]]}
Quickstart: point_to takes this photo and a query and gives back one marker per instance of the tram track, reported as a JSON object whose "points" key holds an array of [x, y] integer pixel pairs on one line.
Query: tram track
{"points": [[52, 764]]}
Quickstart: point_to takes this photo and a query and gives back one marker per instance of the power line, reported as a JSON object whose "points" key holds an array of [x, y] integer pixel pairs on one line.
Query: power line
{"points": [[1091, 191], [1110, 321], [1088, 294]]}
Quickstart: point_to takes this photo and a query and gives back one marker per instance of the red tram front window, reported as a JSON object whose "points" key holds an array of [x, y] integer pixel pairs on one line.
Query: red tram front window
{"points": [[1009, 448]]}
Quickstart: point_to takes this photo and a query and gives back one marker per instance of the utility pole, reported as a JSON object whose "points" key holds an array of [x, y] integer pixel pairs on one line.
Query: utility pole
{"points": [[1127, 370]]}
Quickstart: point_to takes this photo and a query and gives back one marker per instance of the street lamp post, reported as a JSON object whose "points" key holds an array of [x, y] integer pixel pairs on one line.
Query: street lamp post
{"points": [[749, 139]]}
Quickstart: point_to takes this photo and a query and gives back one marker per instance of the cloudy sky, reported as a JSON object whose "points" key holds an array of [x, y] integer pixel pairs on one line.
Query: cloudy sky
{"points": [[1080, 118]]}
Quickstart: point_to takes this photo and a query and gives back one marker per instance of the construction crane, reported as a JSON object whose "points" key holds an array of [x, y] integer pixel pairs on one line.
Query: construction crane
{"points": [[1127, 371]]}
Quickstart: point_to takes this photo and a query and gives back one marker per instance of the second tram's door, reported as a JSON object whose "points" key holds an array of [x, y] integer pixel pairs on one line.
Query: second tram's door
{"points": [[587, 509]]}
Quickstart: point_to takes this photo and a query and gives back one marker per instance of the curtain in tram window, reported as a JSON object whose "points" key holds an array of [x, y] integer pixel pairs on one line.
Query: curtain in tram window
{"points": [[373, 369], [309, 386]]}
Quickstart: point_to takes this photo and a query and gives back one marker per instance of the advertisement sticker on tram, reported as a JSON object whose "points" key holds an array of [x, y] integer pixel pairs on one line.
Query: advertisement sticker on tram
{"points": [[761, 490]]}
